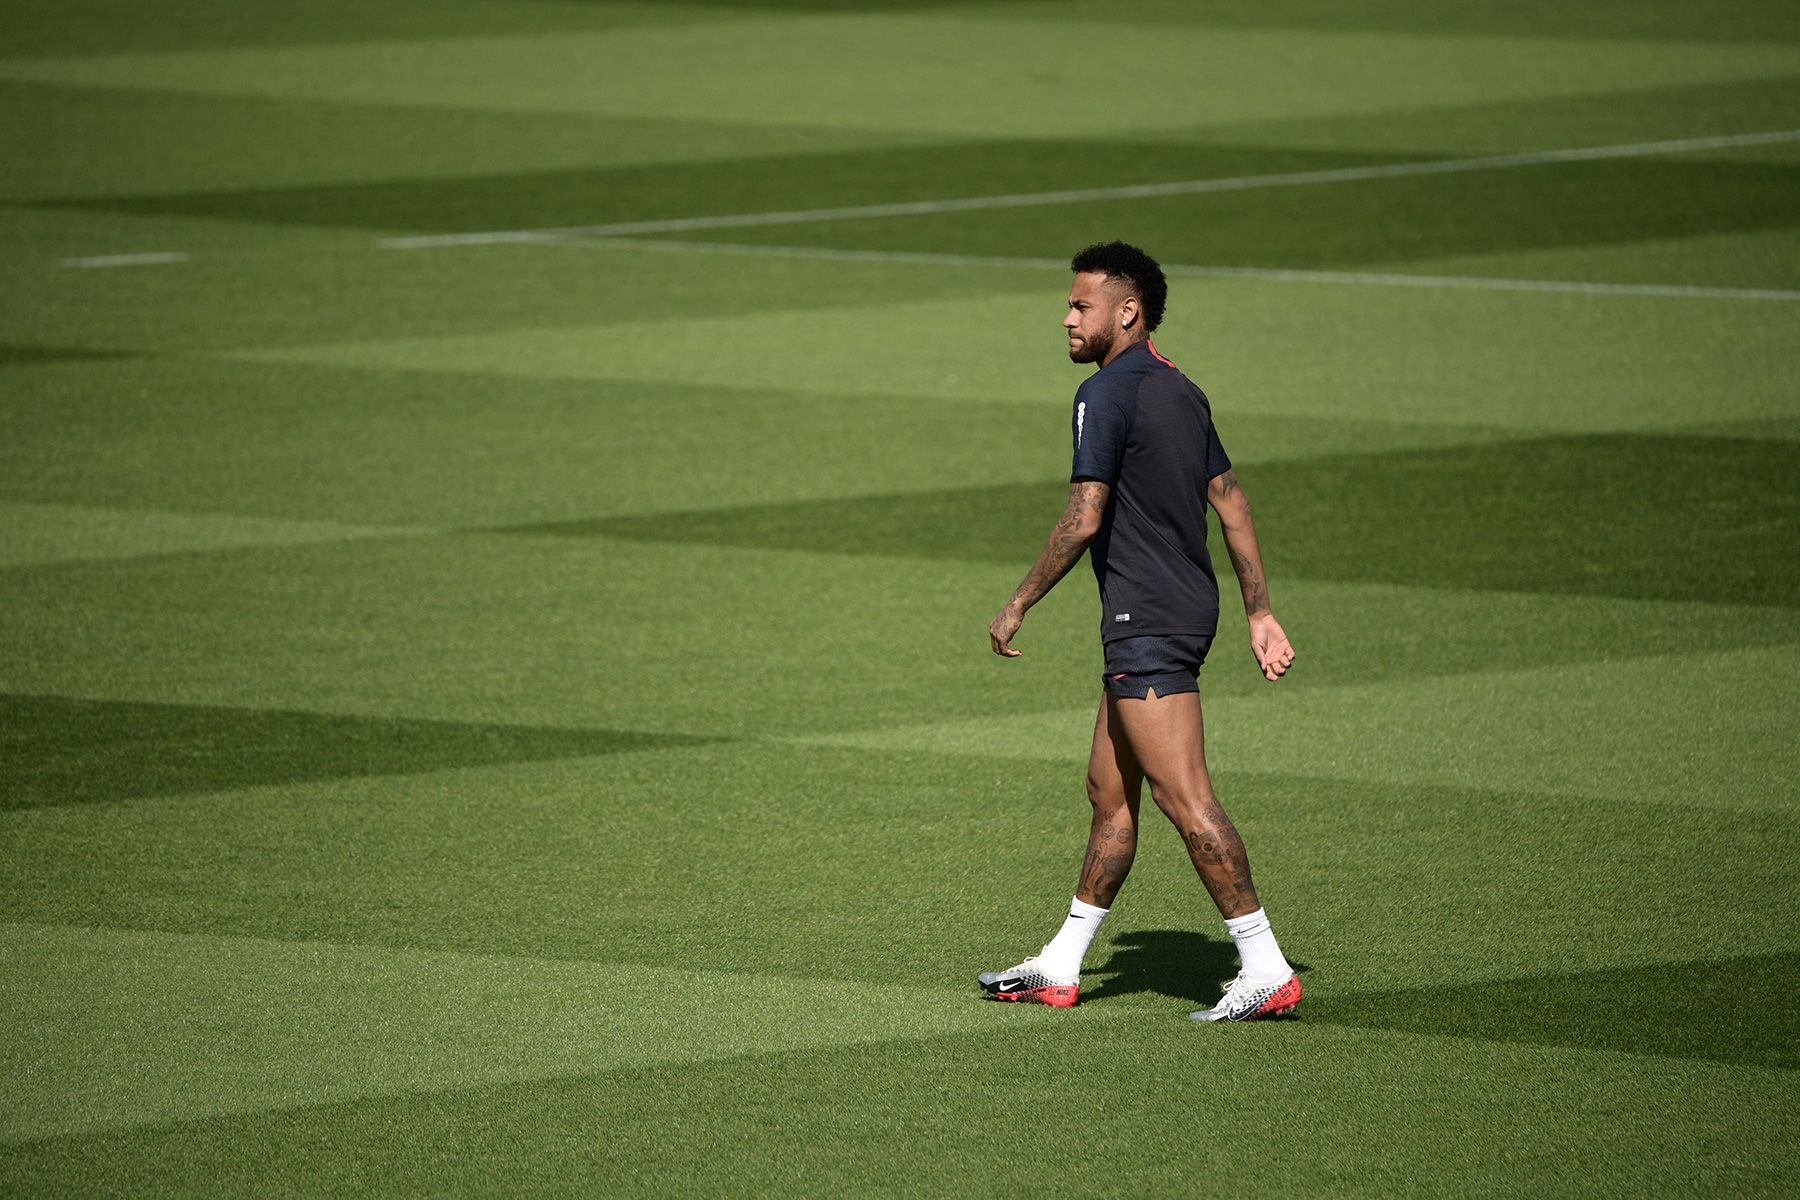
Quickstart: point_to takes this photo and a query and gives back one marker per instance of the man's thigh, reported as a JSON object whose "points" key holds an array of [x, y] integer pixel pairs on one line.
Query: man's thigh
{"points": [[1166, 736], [1113, 771]]}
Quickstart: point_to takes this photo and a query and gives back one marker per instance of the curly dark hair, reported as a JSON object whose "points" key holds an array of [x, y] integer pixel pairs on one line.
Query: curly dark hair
{"points": [[1117, 260]]}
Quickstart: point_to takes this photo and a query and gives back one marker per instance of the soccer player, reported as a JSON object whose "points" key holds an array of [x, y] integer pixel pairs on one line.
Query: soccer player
{"points": [[1147, 464]]}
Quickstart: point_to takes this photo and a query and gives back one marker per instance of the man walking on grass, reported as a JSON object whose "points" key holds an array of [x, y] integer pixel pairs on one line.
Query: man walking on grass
{"points": [[1147, 464]]}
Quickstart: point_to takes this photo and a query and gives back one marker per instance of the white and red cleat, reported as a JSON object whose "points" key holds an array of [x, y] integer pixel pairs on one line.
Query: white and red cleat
{"points": [[1246, 1000], [1028, 984]]}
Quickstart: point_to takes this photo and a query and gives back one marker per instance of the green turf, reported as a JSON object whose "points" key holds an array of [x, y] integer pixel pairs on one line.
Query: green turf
{"points": [[517, 717], [100, 752], [1591, 505]]}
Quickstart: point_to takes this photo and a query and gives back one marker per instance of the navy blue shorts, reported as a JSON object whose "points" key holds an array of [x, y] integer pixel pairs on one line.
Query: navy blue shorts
{"points": [[1168, 662]]}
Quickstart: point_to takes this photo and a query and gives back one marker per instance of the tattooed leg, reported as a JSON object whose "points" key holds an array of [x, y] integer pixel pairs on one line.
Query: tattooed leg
{"points": [[1167, 737], [1108, 862], [1114, 786], [1218, 854]]}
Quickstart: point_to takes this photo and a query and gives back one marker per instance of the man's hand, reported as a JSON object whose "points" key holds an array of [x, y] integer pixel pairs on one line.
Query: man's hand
{"points": [[1270, 645], [1001, 630]]}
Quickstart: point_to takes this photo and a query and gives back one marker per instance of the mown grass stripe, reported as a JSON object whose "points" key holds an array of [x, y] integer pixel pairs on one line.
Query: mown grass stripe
{"points": [[104, 1031], [1707, 730], [1138, 191], [62, 750]]}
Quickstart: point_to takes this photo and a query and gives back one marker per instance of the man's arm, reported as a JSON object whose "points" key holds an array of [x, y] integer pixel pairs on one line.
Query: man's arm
{"points": [[1070, 536], [1267, 641]]}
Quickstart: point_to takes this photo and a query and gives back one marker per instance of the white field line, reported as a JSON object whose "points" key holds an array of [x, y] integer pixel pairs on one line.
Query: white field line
{"points": [[1185, 187], [125, 260], [1279, 274]]}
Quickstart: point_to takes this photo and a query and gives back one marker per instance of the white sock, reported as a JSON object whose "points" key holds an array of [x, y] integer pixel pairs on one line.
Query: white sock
{"points": [[1062, 957], [1256, 947]]}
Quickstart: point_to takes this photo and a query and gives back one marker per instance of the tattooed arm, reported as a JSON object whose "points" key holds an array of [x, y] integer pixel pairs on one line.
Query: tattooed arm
{"points": [[1267, 641], [1073, 531]]}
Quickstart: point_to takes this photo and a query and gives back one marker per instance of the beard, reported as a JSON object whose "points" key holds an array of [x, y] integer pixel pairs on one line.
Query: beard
{"points": [[1093, 349]]}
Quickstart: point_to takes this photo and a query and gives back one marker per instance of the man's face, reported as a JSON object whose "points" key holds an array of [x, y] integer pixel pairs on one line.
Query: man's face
{"points": [[1092, 322]]}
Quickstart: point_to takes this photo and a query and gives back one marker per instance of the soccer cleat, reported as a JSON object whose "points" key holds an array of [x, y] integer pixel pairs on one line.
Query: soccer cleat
{"points": [[1247, 1001], [1028, 984]]}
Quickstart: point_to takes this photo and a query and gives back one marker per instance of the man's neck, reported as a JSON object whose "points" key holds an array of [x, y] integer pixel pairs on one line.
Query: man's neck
{"points": [[1120, 348]]}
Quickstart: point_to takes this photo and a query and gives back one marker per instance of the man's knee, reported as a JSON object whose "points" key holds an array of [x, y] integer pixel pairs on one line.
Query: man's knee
{"points": [[1105, 792], [1186, 802]]}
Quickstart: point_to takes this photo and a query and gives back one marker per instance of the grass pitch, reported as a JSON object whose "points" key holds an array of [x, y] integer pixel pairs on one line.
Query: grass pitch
{"points": [[482, 712]]}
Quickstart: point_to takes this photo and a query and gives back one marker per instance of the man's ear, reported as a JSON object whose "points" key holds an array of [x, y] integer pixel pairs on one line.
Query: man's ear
{"points": [[1128, 312]]}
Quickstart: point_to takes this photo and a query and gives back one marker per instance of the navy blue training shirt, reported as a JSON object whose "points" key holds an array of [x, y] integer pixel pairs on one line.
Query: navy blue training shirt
{"points": [[1141, 427]]}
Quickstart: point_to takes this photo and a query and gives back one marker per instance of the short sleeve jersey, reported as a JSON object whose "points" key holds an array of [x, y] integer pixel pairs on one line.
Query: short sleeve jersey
{"points": [[1141, 427]]}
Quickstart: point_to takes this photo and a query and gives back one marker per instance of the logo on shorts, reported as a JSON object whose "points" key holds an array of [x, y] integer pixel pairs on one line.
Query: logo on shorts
{"points": [[1123, 617]]}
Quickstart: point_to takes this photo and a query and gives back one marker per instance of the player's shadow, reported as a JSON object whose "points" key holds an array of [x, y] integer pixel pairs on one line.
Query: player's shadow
{"points": [[1170, 962]]}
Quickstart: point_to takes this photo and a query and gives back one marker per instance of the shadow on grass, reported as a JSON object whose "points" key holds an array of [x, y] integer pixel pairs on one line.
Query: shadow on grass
{"points": [[1743, 1010], [1170, 962]]}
